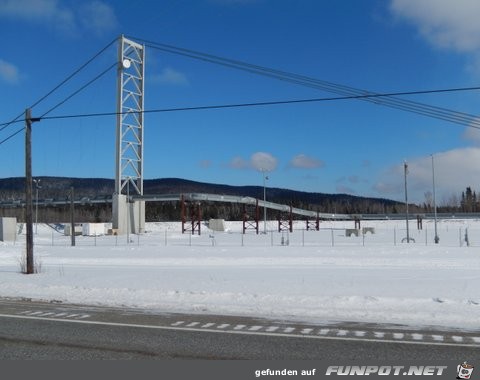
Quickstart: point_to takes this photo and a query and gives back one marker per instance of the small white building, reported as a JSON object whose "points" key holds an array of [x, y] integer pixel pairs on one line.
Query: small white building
{"points": [[216, 224], [8, 229], [93, 229]]}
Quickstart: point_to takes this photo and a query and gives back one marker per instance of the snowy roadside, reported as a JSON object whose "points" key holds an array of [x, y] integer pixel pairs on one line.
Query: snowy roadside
{"points": [[411, 284]]}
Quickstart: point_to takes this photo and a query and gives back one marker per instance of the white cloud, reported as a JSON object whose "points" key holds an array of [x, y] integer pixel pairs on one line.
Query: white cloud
{"points": [[454, 171], [444, 23], [98, 17], [171, 77], [8, 72], [260, 161], [305, 162], [238, 163], [263, 161], [95, 16], [472, 135]]}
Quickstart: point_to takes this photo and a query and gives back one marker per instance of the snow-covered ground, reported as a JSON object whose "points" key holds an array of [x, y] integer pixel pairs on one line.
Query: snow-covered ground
{"points": [[314, 276]]}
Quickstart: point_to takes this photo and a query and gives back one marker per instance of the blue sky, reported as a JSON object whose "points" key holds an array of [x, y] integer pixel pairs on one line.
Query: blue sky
{"points": [[347, 146]]}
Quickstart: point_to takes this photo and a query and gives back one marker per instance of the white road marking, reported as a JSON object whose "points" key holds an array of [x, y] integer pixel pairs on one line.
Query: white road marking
{"points": [[457, 339], [323, 331], [476, 339], [192, 324], [272, 328], [51, 314], [360, 334], [306, 331], [398, 335], [255, 328], [239, 327], [439, 339], [225, 325], [342, 332], [379, 334], [416, 336], [25, 312], [289, 329], [207, 325]]}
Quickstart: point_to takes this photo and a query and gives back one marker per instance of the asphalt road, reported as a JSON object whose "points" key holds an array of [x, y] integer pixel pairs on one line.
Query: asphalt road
{"points": [[35, 330]]}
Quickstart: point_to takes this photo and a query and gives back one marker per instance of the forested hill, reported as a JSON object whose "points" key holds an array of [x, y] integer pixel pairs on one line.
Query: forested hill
{"points": [[59, 187]]}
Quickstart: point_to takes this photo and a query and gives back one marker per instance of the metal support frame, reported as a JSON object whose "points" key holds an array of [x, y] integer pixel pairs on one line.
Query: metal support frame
{"points": [[248, 223], [419, 222], [285, 224], [130, 106], [129, 138], [357, 223], [313, 224], [194, 216]]}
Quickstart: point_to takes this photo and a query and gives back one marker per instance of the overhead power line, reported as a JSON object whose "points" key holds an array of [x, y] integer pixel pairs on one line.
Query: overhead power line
{"points": [[69, 77], [390, 101], [242, 105], [258, 104]]}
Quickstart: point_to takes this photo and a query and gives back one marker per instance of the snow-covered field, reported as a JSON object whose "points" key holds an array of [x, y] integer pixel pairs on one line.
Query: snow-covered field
{"points": [[314, 276]]}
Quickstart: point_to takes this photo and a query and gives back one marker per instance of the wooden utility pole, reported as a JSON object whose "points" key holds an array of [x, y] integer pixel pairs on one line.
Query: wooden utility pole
{"points": [[28, 190]]}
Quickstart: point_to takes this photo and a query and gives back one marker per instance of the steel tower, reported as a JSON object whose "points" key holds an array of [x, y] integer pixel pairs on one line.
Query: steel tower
{"points": [[129, 216]]}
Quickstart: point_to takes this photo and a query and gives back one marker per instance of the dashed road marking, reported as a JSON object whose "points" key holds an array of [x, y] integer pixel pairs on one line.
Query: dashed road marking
{"points": [[272, 328], [416, 336], [306, 331], [387, 336], [53, 315]]}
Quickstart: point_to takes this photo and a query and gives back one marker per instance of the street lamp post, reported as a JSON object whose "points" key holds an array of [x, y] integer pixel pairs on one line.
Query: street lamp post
{"points": [[37, 186], [436, 239], [405, 168]]}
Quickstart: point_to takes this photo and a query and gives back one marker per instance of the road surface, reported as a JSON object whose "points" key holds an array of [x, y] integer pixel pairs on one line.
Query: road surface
{"points": [[36, 330]]}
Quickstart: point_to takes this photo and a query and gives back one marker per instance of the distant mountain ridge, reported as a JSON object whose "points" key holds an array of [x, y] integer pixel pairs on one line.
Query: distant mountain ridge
{"points": [[58, 187]]}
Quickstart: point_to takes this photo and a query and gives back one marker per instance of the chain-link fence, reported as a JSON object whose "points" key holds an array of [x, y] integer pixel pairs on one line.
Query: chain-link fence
{"points": [[335, 235]]}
